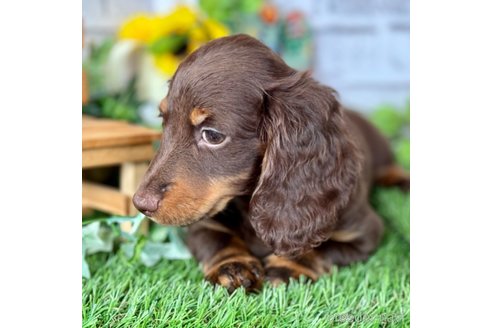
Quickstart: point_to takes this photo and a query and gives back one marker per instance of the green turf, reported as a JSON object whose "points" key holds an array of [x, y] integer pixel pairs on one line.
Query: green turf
{"points": [[173, 294]]}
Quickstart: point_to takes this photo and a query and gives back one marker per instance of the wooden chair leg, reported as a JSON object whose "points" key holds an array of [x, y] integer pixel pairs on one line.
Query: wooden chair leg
{"points": [[130, 176]]}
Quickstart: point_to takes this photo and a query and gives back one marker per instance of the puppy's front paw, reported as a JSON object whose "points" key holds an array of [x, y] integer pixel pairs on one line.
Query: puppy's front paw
{"points": [[279, 270], [237, 272]]}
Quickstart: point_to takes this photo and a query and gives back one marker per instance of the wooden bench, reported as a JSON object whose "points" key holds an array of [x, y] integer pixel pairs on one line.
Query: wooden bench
{"points": [[107, 143]]}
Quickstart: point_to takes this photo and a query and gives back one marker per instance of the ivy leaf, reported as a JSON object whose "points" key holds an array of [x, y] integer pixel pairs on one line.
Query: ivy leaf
{"points": [[121, 219], [86, 273], [153, 252], [159, 233], [180, 251], [177, 251], [98, 235], [128, 248], [96, 238]]}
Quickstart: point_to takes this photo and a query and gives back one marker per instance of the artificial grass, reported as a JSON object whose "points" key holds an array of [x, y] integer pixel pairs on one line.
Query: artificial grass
{"points": [[376, 293]]}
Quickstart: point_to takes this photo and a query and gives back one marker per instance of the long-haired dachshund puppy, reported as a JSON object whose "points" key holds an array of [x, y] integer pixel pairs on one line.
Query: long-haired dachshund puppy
{"points": [[266, 167]]}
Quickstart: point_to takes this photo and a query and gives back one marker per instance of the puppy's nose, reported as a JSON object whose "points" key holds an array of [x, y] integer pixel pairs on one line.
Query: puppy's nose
{"points": [[147, 202]]}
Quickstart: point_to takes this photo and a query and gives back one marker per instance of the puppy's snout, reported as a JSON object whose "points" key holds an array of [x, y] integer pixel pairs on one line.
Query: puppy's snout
{"points": [[147, 201]]}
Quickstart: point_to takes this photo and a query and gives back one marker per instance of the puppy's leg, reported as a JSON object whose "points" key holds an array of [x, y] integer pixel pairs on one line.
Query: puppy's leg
{"points": [[224, 257], [280, 269], [354, 242], [393, 175]]}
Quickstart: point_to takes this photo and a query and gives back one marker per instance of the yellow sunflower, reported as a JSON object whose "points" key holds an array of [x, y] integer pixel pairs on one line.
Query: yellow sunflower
{"points": [[165, 36]]}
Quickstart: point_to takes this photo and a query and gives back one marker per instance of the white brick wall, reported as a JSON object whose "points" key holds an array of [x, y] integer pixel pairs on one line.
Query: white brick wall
{"points": [[362, 48]]}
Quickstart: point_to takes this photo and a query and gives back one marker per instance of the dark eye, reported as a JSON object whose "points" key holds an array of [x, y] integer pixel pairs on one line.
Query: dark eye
{"points": [[212, 137]]}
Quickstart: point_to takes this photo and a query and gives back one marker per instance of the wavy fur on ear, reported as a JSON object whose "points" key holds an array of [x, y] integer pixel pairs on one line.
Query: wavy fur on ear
{"points": [[310, 167]]}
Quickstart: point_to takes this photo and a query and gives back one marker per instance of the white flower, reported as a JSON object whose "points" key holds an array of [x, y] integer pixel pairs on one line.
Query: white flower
{"points": [[151, 83], [121, 65]]}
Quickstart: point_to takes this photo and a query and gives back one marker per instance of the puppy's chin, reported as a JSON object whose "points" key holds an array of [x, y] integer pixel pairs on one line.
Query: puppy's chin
{"points": [[160, 216], [173, 221]]}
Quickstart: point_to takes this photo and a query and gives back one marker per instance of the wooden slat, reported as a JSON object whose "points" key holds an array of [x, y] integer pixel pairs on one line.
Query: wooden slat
{"points": [[116, 135], [116, 155], [98, 133], [91, 121], [86, 118], [99, 124], [131, 175], [85, 88], [87, 210], [104, 198]]}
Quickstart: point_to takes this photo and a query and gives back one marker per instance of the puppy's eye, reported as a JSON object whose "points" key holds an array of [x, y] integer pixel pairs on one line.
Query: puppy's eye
{"points": [[212, 137], [161, 116]]}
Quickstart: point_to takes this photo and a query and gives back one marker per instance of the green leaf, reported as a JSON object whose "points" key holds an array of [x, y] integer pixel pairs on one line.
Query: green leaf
{"points": [[388, 120], [180, 250], [94, 64], [407, 112], [167, 44], [92, 109], [225, 10], [153, 252], [96, 238], [86, 273], [128, 248], [177, 252], [135, 220], [158, 233], [250, 6], [118, 108], [403, 153], [99, 234]]}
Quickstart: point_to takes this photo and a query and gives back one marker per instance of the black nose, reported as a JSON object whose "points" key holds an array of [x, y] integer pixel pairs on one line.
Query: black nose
{"points": [[147, 202]]}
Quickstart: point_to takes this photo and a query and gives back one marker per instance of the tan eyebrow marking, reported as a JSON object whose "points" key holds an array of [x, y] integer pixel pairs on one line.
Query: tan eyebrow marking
{"points": [[163, 105], [198, 115]]}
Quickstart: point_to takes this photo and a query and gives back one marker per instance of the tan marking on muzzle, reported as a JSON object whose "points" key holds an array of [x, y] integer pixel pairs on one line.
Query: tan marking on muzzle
{"points": [[198, 115], [187, 202]]}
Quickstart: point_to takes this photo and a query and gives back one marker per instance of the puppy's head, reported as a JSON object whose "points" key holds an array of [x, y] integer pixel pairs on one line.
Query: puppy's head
{"points": [[210, 148], [237, 120]]}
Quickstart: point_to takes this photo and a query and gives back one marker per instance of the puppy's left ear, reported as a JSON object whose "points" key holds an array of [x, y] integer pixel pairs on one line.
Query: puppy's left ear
{"points": [[310, 167]]}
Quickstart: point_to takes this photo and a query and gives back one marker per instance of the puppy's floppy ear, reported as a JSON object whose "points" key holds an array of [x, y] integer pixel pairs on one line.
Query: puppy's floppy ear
{"points": [[310, 166]]}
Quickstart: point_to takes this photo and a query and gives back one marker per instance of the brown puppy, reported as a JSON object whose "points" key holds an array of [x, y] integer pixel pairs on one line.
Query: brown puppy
{"points": [[269, 170]]}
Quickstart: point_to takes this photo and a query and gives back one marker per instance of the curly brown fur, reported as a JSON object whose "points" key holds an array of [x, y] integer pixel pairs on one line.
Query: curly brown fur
{"points": [[310, 168]]}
